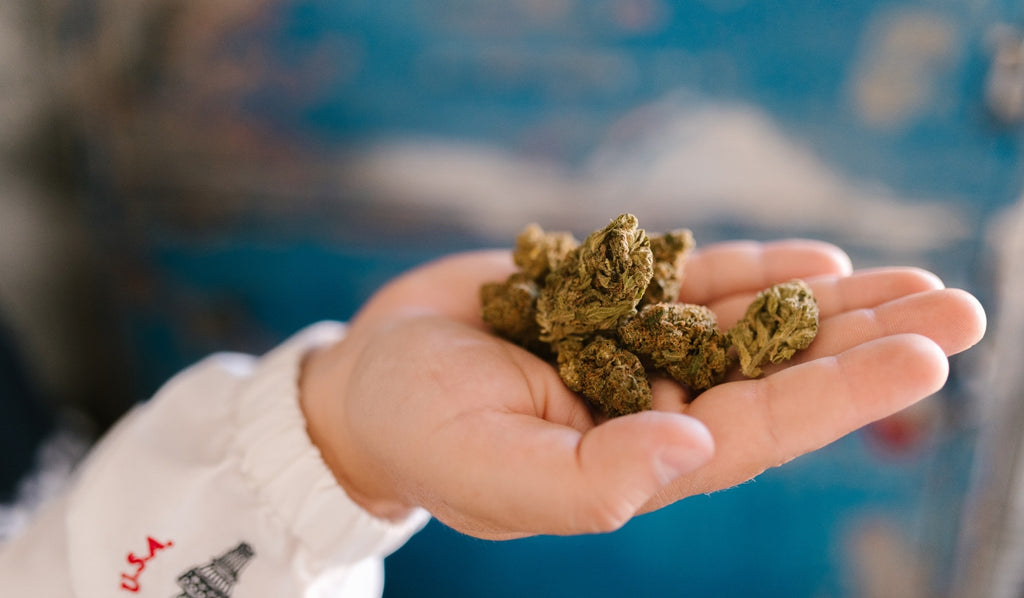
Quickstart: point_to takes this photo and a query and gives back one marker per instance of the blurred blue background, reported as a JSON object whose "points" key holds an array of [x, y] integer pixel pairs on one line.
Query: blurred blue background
{"points": [[217, 175]]}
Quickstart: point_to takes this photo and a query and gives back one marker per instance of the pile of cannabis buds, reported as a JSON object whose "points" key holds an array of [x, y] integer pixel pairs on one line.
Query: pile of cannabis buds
{"points": [[606, 310]]}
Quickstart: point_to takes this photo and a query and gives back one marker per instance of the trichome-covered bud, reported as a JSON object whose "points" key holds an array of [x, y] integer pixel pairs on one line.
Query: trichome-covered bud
{"points": [[537, 252], [608, 376], [598, 284], [510, 308], [670, 251], [681, 339], [579, 301], [782, 320]]}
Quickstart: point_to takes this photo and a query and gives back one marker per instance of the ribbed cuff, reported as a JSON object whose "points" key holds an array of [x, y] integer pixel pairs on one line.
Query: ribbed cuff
{"points": [[288, 471]]}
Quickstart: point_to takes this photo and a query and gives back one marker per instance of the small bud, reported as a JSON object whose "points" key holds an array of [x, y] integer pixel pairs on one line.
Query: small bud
{"points": [[510, 309], [681, 339], [670, 251], [537, 253], [782, 320], [608, 376]]}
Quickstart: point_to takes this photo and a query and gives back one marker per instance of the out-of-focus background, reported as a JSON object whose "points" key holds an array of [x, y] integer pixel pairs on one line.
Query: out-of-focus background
{"points": [[181, 177]]}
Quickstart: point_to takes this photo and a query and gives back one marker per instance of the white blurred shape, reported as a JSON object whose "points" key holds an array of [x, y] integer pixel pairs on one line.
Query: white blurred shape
{"points": [[676, 161], [902, 55]]}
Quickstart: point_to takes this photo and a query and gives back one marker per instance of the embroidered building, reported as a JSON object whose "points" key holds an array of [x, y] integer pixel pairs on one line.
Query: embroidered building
{"points": [[216, 579]]}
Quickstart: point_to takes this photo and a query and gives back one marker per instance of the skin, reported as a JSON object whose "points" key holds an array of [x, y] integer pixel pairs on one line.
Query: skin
{"points": [[419, 406]]}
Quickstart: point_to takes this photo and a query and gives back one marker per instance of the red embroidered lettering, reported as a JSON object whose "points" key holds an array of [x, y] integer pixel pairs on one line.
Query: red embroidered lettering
{"points": [[130, 582], [155, 546]]}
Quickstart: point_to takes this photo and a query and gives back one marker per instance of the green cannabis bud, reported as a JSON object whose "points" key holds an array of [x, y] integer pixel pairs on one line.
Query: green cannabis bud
{"points": [[670, 251], [598, 284], [537, 253], [782, 320], [510, 308], [577, 302], [682, 339], [610, 377]]}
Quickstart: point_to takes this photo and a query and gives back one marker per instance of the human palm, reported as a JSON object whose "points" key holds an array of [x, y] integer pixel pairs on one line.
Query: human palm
{"points": [[421, 406]]}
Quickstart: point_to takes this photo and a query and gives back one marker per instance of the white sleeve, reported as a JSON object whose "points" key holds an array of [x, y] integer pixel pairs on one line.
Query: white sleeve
{"points": [[212, 488]]}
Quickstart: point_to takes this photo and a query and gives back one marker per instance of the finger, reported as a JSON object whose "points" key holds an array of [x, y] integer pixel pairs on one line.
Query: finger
{"points": [[667, 394], [724, 269], [553, 480], [449, 286], [870, 287], [836, 294], [764, 423], [951, 318]]}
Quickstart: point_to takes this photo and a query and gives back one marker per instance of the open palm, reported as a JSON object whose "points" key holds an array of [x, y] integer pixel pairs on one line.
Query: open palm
{"points": [[421, 406]]}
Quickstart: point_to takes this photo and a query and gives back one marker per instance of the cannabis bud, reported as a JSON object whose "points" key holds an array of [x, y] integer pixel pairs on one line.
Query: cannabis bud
{"points": [[510, 308], [537, 253], [610, 377], [782, 320], [597, 285], [579, 302], [682, 339], [669, 251]]}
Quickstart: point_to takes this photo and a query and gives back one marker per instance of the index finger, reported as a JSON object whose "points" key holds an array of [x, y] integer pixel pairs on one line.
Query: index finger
{"points": [[724, 269], [448, 286]]}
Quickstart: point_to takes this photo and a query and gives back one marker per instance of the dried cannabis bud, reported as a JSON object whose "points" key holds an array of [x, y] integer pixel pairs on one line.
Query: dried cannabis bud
{"points": [[682, 339], [579, 302], [609, 376], [782, 320], [598, 284], [510, 308], [670, 251], [537, 252]]}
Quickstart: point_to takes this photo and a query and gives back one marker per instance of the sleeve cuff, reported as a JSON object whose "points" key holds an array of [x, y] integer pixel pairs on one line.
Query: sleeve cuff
{"points": [[288, 471]]}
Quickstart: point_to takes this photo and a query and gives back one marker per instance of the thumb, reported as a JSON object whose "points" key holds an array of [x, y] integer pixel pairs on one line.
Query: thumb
{"points": [[531, 476], [627, 460]]}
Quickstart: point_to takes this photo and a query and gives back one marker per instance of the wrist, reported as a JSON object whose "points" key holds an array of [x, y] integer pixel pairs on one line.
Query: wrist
{"points": [[322, 382]]}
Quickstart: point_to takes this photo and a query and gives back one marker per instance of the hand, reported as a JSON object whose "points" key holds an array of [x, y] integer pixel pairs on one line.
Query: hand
{"points": [[421, 406]]}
